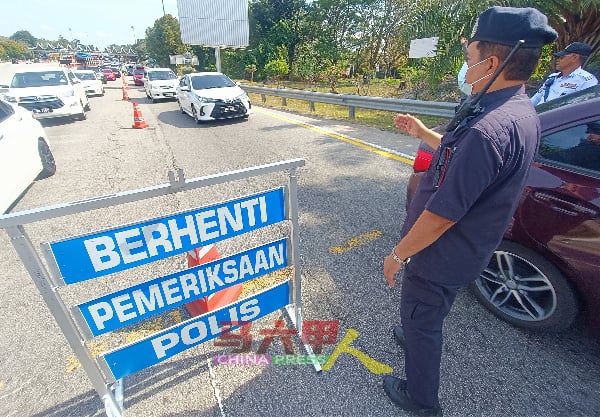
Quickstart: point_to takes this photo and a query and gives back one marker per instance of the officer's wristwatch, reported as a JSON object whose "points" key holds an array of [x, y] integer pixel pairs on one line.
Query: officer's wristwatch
{"points": [[396, 258]]}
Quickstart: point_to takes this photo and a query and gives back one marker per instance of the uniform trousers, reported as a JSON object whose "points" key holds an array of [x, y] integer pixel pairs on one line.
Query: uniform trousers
{"points": [[423, 307]]}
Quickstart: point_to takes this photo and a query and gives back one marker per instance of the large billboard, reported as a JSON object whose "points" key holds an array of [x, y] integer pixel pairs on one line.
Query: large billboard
{"points": [[222, 23]]}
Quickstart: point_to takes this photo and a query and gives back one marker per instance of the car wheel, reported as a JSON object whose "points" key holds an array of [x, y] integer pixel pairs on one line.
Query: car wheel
{"points": [[48, 163], [87, 107], [521, 287], [195, 115]]}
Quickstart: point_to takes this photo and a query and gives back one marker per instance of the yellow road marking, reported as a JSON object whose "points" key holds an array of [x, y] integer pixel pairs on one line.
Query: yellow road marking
{"points": [[356, 241], [353, 141]]}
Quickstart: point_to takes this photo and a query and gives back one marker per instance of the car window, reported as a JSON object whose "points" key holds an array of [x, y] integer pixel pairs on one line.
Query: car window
{"points": [[38, 79], [85, 76], [576, 147], [202, 82], [161, 75], [6, 111]]}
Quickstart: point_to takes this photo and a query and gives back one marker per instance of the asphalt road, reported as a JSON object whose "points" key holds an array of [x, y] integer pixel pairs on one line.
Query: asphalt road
{"points": [[351, 204]]}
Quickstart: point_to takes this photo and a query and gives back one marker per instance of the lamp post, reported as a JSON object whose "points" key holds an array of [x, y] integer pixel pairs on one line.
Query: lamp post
{"points": [[133, 30], [163, 4]]}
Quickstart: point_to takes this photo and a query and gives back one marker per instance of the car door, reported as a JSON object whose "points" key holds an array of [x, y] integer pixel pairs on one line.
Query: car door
{"points": [[19, 160], [184, 96], [560, 211]]}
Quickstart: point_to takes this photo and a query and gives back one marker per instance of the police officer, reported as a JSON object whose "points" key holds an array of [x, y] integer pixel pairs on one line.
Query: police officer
{"points": [[570, 77], [465, 200]]}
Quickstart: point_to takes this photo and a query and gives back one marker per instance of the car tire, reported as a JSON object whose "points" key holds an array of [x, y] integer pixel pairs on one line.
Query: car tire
{"points": [[523, 288], [180, 107], [48, 163], [87, 107]]}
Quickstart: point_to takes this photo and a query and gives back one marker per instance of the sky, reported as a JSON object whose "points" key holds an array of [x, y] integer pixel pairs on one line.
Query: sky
{"points": [[93, 22]]}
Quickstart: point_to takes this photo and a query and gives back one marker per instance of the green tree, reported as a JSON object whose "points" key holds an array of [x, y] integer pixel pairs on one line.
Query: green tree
{"points": [[164, 39], [24, 36], [15, 49], [276, 69]]}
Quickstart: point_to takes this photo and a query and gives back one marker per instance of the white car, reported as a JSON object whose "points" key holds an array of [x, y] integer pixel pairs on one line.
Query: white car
{"points": [[90, 82], [212, 95], [25, 153], [49, 92], [160, 83]]}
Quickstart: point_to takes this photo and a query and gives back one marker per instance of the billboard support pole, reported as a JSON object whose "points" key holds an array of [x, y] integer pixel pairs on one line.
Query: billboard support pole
{"points": [[218, 58]]}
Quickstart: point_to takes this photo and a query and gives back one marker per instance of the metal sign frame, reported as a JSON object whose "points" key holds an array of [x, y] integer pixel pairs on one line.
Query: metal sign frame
{"points": [[111, 390]]}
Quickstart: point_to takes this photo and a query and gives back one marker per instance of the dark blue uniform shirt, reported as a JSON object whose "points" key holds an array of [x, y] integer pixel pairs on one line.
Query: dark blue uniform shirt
{"points": [[476, 179]]}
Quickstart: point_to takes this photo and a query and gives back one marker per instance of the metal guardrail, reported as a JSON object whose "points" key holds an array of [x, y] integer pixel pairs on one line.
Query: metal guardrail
{"points": [[352, 101]]}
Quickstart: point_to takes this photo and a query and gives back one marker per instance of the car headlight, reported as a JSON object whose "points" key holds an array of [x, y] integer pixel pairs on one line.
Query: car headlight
{"points": [[206, 99], [69, 93], [242, 96]]}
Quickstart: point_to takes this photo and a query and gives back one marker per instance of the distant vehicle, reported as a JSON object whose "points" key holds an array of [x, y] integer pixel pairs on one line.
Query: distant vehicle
{"points": [[160, 83], [90, 82], [25, 153], [49, 92], [109, 74], [212, 95], [138, 76], [116, 70]]}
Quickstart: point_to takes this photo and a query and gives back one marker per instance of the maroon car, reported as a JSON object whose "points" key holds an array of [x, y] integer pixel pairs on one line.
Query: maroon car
{"points": [[138, 76], [109, 74], [547, 268]]}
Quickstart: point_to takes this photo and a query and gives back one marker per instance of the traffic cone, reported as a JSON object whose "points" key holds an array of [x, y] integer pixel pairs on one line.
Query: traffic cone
{"points": [[138, 119], [221, 298], [125, 95]]}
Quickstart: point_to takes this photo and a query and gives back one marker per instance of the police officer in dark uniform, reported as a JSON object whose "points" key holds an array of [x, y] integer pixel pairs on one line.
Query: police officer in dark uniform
{"points": [[465, 200]]}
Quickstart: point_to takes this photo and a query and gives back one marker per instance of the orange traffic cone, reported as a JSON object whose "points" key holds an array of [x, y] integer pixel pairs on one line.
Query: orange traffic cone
{"points": [[125, 95], [138, 119], [214, 301]]}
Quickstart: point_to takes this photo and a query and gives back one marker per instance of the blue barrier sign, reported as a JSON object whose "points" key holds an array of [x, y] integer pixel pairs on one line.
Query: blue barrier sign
{"points": [[130, 305], [113, 250], [161, 346]]}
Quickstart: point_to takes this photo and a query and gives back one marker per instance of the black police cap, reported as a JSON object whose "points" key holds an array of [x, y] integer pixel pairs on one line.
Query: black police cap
{"points": [[578, 48], [508, 25], [594, 128]]}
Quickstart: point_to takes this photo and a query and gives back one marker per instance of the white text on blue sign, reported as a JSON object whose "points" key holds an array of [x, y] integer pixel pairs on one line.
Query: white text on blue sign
{"points": [[130, 305], [109, 251], [169, 342]]}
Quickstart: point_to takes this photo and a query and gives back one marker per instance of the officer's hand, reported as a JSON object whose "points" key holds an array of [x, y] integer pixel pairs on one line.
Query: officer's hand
{"points": [[410, 124], [390, 269]]}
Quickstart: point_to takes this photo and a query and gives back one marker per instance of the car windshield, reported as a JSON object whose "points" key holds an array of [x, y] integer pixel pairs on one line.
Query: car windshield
{"points": [[107, 70], [85, 75], [38, 79], [203, 82], [138, 72], [161, 75]]}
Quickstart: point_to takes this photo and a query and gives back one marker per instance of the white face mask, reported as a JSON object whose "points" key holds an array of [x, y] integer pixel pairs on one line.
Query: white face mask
{"points": [[466, 87]]}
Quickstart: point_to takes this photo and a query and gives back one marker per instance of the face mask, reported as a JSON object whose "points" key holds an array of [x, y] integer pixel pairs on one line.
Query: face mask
{"points": [[464, 86], [467, 88]]}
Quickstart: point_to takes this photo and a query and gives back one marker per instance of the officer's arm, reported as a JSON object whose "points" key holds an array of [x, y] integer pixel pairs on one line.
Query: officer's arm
{"points": [[535, 99], [427, 229]]}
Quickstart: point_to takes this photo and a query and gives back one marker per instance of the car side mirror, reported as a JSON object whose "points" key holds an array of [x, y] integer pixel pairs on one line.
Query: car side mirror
{"points": [[4, 86], [184, 88]]}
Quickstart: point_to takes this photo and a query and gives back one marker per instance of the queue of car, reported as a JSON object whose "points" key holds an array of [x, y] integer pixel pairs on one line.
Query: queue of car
{"points": [[41, 92]]}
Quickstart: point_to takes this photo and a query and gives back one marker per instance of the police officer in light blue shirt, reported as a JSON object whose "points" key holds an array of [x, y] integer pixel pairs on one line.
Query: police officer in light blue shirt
{"points": [[570, 77]]}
